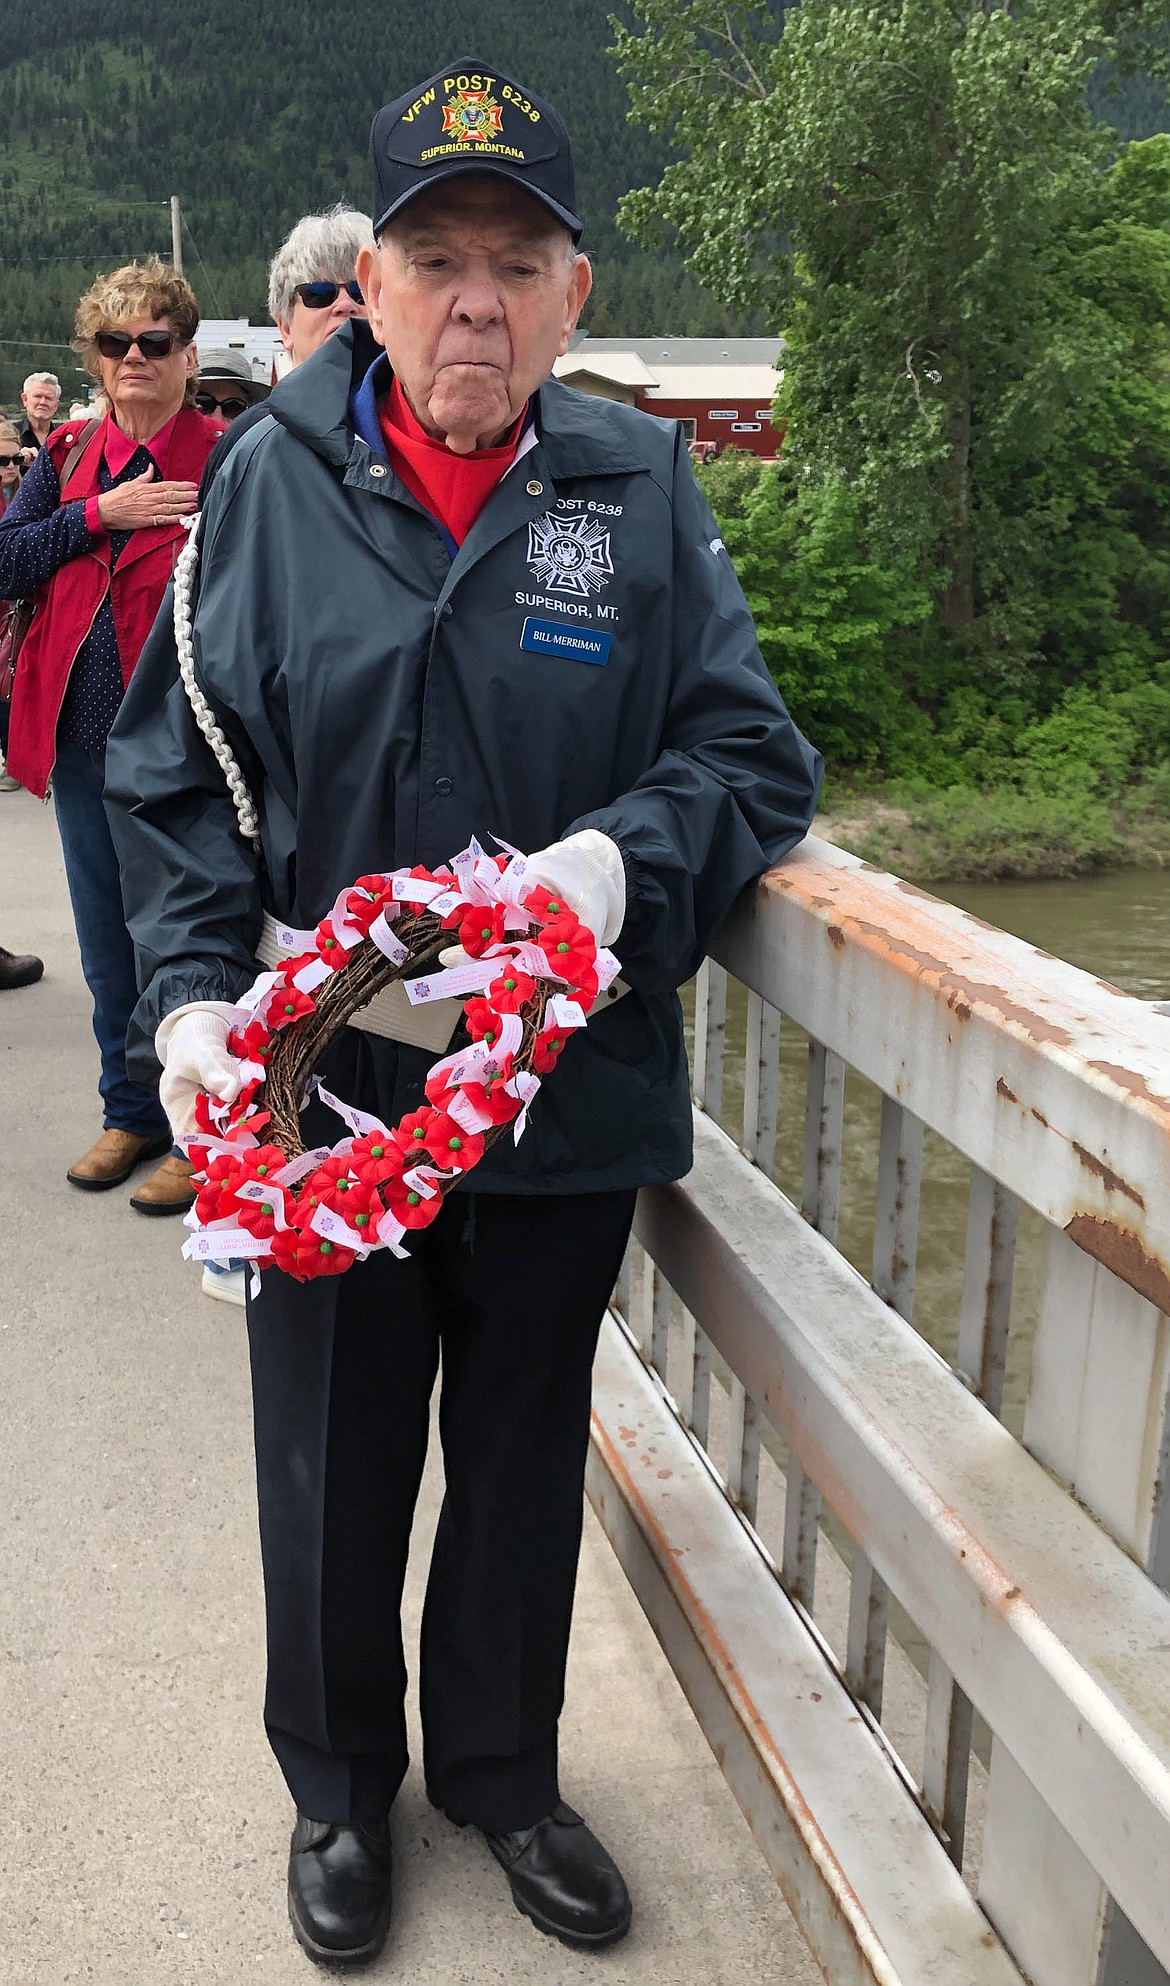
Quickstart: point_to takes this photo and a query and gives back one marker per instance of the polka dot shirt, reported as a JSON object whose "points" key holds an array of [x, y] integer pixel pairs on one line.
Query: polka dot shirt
{"points": [[95, 687]]}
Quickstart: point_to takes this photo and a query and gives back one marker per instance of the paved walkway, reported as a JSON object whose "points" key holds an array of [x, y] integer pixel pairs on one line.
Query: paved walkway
{"points": [[145, 1826]]}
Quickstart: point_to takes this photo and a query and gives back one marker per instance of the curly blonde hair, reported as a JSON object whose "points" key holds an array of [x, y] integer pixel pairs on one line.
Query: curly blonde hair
{"points": [[138, 289]]}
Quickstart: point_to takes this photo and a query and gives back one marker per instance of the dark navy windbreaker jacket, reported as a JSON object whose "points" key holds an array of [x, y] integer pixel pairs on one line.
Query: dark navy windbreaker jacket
{"points": [[586, 659]]}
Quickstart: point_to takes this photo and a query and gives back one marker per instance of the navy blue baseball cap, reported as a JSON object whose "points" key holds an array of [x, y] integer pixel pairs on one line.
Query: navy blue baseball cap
{"points": [[470, 118]]}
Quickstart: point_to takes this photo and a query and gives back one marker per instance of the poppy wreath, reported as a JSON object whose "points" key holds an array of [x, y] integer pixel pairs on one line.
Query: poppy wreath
{"points": [[532, 972]]}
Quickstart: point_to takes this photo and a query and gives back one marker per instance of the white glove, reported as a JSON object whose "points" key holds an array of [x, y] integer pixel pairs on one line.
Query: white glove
{"points": [[191, 1044], [587, 872]]}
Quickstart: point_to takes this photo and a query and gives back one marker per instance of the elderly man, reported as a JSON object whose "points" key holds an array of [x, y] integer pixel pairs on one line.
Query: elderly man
{"points": [[40, 396], [443, 594]]}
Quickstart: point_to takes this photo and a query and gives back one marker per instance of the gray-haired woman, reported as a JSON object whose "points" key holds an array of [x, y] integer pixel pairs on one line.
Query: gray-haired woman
{"points": [[312, 285], [312, 291]]}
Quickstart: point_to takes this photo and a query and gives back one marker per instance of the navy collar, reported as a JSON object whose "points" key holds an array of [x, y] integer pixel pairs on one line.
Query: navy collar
{"points": [[363, 406]]}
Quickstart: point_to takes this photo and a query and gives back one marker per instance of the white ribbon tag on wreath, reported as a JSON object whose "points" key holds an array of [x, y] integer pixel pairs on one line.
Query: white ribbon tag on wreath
{"points": [[299, 1168], [333, 1228], [390, 946], [536, 963], [257, 993], [413, 889], [295, 942], [311, 976], [525, 1087], [359, 1121], [608, 968], [565, 1012], [456, 983], [220, 1244], [265, 1193]]}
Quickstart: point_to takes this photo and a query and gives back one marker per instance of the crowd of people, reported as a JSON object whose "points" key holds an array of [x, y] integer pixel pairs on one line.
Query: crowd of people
{"points": [[92, 511], [395, 552]]}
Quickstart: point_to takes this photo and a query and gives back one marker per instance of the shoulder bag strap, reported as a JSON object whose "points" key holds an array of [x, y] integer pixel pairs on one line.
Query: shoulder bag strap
{"points": [[76, 452]]}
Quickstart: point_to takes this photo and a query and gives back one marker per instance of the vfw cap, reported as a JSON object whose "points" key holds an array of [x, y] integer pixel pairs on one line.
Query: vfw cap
{"points": [[470, 118]]}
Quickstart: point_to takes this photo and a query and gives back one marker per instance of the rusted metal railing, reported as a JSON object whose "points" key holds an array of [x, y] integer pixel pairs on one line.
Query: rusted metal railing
{"points": [[932, 1657]]}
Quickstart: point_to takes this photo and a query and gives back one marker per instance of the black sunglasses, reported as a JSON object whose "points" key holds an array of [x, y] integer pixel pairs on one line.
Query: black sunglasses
{"points": [[319, 296], [208, 404], [8, 461], [152, 344]]}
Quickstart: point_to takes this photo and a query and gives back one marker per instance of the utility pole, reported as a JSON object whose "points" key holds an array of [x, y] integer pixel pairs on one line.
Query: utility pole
{"points": [[176, 236]]}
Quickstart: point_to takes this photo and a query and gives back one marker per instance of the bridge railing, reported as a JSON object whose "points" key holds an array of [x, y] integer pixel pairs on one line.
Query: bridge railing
{"points": [[931, 1650]]}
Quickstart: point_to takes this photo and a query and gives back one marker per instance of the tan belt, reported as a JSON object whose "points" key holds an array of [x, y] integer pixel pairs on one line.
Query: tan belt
{"points": [[389, 1013]]}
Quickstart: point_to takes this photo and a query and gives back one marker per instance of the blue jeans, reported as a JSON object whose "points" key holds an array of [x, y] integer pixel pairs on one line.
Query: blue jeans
{"points": [[107, 955]]}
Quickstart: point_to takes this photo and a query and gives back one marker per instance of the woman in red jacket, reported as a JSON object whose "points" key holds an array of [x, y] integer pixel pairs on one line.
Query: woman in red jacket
{"points": [[92, 536]]}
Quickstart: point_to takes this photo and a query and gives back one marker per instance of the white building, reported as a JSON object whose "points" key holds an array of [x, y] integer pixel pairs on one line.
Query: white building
{"points": [[260, 344]]}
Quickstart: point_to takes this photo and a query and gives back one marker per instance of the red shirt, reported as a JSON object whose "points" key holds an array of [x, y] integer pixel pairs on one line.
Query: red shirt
{"points": [[454, 488], [118, 449]]}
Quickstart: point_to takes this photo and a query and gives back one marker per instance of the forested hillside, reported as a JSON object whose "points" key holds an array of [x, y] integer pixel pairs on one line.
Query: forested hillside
{"points": [[256, 115]]}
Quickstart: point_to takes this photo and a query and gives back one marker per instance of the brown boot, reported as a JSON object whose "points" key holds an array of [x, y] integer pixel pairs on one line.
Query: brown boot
{"points": [[111, 1161], [168, 1190]]}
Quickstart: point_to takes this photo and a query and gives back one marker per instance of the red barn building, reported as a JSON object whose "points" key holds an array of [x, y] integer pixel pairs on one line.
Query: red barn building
{"points": [[721, 389]]}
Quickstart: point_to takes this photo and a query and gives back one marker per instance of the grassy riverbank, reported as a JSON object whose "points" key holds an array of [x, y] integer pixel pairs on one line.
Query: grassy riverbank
{"points": [[963, 835]]}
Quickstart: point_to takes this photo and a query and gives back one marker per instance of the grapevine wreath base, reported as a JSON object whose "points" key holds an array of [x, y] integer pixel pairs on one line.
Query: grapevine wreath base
{"points": [[532, 973]]}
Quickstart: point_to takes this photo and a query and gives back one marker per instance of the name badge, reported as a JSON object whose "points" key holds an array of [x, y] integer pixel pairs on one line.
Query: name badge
{"points": [[575, 644]]}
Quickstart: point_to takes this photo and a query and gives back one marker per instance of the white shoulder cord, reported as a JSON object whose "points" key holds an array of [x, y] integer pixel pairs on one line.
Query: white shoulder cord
{"points": [[204, 715]]}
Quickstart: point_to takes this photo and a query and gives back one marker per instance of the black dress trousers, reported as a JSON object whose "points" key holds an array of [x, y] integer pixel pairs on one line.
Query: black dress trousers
{"points": [[507, 1292]]}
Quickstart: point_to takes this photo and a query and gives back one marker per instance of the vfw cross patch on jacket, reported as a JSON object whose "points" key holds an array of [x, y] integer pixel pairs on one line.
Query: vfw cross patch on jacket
{"points": [[569, 554]]}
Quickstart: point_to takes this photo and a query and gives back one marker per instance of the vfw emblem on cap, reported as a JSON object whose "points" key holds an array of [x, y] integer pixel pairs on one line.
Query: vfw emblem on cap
{"points": [[473, 118], [569, 554]]}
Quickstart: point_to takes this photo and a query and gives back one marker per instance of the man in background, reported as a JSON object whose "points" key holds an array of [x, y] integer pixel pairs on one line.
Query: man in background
{"points": [[40, 396]]}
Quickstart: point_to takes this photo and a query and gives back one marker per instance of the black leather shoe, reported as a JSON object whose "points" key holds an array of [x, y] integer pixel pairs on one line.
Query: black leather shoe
{"points": [[18, 969], [563, 1879], [339, 1889]]}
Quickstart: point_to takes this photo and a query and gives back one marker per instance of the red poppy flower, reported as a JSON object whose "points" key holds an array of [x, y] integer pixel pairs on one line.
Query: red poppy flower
{"points": [[228, 1171], [204, 1121], [369, 896], [329, 947], [408, 1206], [306, 1254], [508, 993], [259, 1216], [549, 1044], [489, 1094], [571, 950], [286, 1003], [242, 1104], [261, 1162], [251, 1043], [215, 1197], [375, 1157], [332, 1185], [480, 927], [452, 1148], [483, 1022], [542, 904], [410, 1133], [430, 1134]]}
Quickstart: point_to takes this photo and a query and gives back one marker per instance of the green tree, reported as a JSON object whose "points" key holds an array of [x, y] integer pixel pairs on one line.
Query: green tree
{"points": [[897, 185], [831, 620]]}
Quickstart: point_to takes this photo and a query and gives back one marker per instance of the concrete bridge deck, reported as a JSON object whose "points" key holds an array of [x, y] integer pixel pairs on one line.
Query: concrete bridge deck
{"points": [[144, 1824]]}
